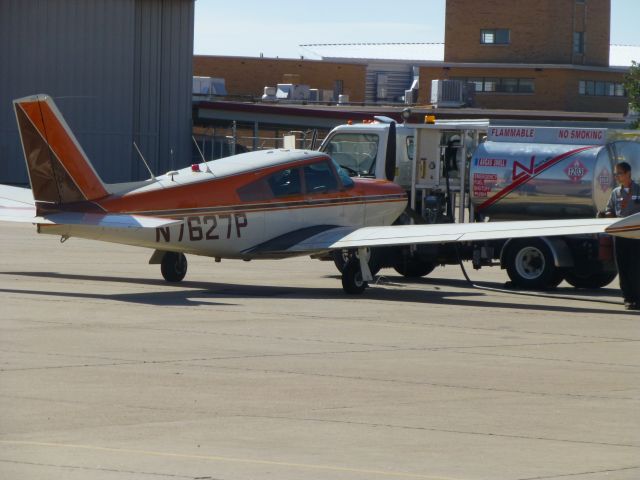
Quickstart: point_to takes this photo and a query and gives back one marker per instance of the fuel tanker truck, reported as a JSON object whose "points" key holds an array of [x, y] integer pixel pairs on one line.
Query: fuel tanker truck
{"points": [[474, 170]]}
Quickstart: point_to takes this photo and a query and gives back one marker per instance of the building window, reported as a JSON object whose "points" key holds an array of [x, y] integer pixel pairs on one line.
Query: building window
{"points": [[338, 86], [526, 85], [601, 88], [477, 82], [490, 84], [501, 85], [578, 42], [495, 36]]}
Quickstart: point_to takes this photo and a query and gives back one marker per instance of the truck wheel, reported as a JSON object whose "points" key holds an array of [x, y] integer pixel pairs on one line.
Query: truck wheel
{"points": [[352, 282], [173, 266], [342, 257], [589, 279], [530, 264], [413, 266]]}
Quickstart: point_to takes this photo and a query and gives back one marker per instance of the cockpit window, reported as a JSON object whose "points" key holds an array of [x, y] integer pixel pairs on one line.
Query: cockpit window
{"points": [[355, 152], [280, 184], [285, 182], [319, 177], [344, 176]]}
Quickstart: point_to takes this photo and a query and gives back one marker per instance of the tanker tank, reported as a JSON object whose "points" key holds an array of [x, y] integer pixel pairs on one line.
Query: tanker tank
{"points": [[546, 173]]}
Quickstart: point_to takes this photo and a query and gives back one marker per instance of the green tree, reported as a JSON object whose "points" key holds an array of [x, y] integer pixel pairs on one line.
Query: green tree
{"points": [[632, 86]]}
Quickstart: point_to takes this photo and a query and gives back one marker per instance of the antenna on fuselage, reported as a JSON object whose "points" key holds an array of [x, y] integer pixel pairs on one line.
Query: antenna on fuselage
{"points": [[208, 170], [153, 177]]}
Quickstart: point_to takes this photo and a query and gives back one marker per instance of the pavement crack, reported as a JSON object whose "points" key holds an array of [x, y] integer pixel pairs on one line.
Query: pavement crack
{"points": [[137, 473], [580, 474], [441, 430], [430, 384]]}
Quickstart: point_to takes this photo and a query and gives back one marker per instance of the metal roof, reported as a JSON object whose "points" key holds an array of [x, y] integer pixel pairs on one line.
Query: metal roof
{"points": [[619, 55]]}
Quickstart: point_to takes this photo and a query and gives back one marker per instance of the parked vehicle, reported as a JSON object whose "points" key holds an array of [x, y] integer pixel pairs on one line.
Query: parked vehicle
{"points": [[476, 170]]}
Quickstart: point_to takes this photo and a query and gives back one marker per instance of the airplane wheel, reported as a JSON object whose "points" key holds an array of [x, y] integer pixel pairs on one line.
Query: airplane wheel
{"points": [[530, 264], [352, 281], [173, 266]]}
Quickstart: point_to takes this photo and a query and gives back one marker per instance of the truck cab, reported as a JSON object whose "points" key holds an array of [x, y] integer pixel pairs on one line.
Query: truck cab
{"points": [[375, 149]]}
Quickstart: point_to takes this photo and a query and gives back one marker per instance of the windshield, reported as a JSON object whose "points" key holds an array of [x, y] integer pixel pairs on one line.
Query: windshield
{"points": [[354, 152], [344, 176]]}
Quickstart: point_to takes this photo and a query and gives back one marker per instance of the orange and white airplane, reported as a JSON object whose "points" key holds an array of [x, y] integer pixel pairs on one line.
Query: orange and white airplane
{"points": [[264, 204]]}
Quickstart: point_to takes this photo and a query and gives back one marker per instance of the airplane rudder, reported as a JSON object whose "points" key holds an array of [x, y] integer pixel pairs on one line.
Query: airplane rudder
{"points": [[58, 167]]}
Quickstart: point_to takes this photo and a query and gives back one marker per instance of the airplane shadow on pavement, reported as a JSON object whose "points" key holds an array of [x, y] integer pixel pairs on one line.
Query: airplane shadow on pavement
{"points": [[190, 293]]}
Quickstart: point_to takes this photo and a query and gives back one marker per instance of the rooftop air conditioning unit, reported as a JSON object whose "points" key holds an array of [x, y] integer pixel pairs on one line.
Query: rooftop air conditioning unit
{"points": [[269, 94], [451, 93], [411, 95], [292, 91]]}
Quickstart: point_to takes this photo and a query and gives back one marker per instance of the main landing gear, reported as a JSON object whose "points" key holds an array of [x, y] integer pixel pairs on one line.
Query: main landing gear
{"points": [[356, 273], [173, 266]]}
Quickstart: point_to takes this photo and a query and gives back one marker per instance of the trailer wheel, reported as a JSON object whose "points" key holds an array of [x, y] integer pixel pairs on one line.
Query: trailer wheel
{"points": [[589, 279], [173, 266], [413, 266], [530, 264], [342, 257], [352, 282]]}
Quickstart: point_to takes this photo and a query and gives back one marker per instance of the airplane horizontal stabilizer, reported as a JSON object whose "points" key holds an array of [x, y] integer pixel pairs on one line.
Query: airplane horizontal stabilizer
{"points": [[107, 220], [17, 205]]}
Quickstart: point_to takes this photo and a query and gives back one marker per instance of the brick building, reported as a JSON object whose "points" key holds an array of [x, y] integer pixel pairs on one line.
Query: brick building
{"points": [[547, 55], [543, 55], [248, 76]]}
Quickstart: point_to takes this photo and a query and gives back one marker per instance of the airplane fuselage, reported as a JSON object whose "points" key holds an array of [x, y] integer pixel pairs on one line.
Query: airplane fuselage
{"points": [[248, 206]]}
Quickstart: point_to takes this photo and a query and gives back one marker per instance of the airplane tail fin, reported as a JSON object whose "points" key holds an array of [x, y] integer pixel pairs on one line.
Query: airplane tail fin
{"points": [[59, 170]]}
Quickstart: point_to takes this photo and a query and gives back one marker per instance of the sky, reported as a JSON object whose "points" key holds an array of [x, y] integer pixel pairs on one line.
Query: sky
{"points": [[277, 28]]}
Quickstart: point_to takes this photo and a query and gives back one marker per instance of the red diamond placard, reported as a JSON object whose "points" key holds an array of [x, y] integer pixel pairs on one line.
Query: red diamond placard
{"points": [[576, 170]]}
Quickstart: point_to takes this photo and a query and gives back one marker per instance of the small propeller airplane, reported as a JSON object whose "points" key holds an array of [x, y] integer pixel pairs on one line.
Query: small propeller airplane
{"points": [[263, 204]]}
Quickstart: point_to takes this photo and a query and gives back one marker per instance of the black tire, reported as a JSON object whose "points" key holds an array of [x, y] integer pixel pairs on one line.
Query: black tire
{"points": [[342, 257], [530, 264], [173, 266], [352, 282], [589, 279], [413, 266]]}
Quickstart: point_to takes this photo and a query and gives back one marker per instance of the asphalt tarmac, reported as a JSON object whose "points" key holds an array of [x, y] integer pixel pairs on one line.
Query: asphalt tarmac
{"points": [[266, 370]]}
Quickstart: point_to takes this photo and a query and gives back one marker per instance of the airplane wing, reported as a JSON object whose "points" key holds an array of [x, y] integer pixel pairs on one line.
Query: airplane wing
{"points": [[396, 235], [17, 205]]}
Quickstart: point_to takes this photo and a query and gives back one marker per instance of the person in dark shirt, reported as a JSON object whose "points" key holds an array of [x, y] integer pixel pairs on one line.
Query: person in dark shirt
{"points": [[625, 201]]}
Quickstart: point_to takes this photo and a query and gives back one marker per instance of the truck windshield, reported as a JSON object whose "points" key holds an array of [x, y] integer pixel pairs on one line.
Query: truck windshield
{"points": [[355, 152]]}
